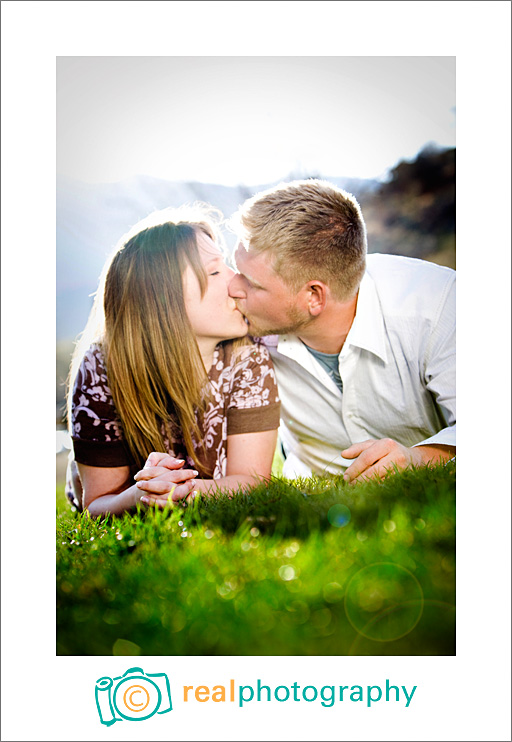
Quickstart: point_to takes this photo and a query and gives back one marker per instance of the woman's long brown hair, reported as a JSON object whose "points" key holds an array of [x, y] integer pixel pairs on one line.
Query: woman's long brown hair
{"points": [[154, 368]]}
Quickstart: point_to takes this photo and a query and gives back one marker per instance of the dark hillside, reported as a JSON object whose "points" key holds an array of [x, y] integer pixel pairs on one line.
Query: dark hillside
{"points": [[413, 213]]}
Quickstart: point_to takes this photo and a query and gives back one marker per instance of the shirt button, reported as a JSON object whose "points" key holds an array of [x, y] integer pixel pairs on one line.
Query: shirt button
{"points": [[350, 415]]}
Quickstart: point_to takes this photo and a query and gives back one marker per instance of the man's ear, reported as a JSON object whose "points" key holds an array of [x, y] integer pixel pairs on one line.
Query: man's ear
{"points": [[317, 294]]}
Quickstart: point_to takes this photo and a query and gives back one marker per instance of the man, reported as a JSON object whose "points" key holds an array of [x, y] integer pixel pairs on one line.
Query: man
{"points": [[365, 346]]}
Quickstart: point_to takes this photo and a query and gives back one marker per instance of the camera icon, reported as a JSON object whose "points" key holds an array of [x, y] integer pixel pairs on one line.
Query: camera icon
{"points": [[134, 696]]}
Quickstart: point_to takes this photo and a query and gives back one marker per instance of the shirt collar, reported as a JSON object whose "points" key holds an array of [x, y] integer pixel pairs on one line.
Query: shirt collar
{"points": [[368, 330]]}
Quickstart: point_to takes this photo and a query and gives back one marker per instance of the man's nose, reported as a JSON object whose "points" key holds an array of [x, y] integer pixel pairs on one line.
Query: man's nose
{"points": [[235, 287], [229, 272]]}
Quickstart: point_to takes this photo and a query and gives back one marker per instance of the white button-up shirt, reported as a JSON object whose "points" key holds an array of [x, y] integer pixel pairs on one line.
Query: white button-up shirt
{"points": [[397, 366]]}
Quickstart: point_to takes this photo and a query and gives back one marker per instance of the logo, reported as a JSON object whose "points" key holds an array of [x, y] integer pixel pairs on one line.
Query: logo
{"points": [[134, 696]]}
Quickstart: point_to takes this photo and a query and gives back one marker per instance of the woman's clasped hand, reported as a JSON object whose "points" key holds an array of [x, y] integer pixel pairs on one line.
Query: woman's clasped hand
{"points": [[164, 481]]}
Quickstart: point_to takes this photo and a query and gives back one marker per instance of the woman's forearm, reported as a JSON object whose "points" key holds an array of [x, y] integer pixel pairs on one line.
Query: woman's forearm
{"points": [[116, 504], [126, 501], [230, 482]]}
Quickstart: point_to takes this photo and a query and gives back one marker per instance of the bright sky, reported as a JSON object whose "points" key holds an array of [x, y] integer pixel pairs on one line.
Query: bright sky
{"points": [[249, 120]]}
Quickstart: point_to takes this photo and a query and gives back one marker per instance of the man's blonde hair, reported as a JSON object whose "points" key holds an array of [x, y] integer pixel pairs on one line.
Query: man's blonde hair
{"points": [[312, 230]]}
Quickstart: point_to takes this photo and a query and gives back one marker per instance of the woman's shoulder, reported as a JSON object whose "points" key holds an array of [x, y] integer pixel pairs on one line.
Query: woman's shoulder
{"points": [[91, 377], [248, 376], [249, 351], [95, 354], [92, 365], [93, 413]]}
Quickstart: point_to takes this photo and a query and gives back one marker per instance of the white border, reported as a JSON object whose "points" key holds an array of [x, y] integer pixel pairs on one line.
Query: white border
{"points": [[466, 697]]}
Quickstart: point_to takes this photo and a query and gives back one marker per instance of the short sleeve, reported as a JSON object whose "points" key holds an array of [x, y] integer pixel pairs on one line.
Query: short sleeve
{"points": [[254, 404], [96, 430]]}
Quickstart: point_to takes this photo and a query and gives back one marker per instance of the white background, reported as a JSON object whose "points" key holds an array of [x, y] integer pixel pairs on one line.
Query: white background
{"points": [[465, 697]]}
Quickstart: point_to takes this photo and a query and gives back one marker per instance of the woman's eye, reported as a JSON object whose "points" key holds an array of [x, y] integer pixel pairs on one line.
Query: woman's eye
{"points": [[215, 273]]}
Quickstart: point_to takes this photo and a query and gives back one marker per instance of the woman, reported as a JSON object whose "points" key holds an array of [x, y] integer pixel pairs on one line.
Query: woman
{"points": [[157, 372]]}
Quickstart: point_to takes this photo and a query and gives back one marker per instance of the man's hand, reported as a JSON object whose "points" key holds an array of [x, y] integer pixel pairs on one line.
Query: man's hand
{"points": [[379, 457]]}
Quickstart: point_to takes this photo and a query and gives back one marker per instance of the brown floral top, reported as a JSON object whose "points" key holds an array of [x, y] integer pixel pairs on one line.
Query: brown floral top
{"points": [[244, 399]]}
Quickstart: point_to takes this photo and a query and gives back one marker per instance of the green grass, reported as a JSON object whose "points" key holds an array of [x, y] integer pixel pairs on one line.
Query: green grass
{"points": [[313, 567]]}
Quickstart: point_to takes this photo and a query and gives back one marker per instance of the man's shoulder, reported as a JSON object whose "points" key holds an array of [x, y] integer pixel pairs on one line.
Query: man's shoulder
{"points": [[409, 284], [379, 265]]}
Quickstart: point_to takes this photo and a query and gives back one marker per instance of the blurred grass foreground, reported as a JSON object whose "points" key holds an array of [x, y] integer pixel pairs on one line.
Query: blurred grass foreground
{"points": [[309, 567]]}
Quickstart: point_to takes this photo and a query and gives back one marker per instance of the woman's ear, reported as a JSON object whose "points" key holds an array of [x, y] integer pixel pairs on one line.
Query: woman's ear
{"points": [[317, 295]]}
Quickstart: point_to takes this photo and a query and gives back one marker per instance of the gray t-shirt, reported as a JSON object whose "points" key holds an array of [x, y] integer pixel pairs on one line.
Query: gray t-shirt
{"points": [[330, 361]]}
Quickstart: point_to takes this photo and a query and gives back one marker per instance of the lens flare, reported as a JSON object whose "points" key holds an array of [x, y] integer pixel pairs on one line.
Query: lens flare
{"points": [[338, 515], [384, 602]]}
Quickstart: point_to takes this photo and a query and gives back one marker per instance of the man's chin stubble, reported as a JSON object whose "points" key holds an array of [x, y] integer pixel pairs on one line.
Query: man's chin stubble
{"points": [[292, 328]]}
